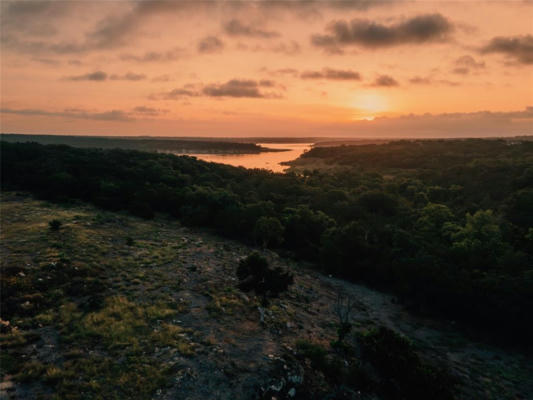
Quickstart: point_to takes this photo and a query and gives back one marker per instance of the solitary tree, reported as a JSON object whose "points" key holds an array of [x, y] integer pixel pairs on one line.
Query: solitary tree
{"points": [[343, 309], [255, 274]]}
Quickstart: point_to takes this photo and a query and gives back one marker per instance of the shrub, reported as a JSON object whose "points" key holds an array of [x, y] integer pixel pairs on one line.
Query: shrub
{"points": [[255, 274], [55, 224], [403, 374]]}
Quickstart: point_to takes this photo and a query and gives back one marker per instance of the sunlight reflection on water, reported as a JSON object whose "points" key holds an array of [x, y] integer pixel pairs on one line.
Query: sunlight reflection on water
{"points": [[268, 160]]}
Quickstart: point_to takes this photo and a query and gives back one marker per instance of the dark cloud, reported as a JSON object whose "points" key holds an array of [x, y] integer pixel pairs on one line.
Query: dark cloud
{"points": [[232, 88], [98, 76], [237, 28], [113, 115], [238, 88], [32, 17], [519, 48], [23, 21], [130, 76], [332, 74], [155, 56], [420, 29], [210, 44], [385, 81]]}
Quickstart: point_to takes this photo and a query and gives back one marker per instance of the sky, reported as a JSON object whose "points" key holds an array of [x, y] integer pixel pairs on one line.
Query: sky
{"points": [[359, 68]]}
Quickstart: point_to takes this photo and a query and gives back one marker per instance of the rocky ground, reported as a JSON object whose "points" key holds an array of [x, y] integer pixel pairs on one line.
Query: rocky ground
{"points": [[112, 306]]}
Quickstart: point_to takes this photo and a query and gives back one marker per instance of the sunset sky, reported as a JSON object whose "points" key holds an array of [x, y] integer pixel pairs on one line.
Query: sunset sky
{"points": [[361, 68]]}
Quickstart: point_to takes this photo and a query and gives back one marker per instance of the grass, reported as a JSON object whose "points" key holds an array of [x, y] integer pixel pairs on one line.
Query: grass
{"points": [[95, 298]]}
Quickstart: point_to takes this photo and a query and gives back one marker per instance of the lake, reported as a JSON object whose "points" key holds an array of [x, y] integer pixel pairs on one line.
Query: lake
{"points": [[266, 160]]}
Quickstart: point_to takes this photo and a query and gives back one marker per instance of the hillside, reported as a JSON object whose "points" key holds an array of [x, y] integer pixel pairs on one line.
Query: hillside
{"points": [[113, 306]]}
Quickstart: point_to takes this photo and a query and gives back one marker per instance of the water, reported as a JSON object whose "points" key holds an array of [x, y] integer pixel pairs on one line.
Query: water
{"points": [[267, 160]]}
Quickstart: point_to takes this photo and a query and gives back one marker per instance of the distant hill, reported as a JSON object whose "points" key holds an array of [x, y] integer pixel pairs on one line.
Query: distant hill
{"points": [[186, 146]]}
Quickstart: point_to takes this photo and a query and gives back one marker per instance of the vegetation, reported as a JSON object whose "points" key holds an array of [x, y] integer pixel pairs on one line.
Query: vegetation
{"points": [[55, 224], [144, 144], [377, 361], [445, 224], [255, 274], [88, 314]]}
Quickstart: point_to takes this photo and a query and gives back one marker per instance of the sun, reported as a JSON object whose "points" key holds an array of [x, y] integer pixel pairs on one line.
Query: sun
{"points": [[368, 104]]}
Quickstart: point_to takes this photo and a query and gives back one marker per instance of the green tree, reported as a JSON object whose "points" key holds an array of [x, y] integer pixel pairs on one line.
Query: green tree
{"points": [[268, 231]]}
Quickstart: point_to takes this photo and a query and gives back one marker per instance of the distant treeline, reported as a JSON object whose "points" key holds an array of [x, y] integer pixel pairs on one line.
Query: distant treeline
{"points": [[446, 225], [143, 144]]}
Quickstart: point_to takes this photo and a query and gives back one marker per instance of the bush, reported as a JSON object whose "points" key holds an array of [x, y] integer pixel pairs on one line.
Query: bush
{"points": [[255, 274], [403, 375], [55, 224]]}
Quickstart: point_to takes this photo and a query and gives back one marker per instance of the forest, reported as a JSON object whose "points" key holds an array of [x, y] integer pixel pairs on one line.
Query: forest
{"points": [[143, 143], [445, 225]]}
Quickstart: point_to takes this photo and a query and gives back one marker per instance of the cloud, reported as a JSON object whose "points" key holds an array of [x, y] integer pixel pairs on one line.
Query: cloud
{"points": [[420, 29], [148, 111], [47, 61], [289, 48], [519, 48], [113, 115], [281, 71], [178, 93], [130, 76], [469, 62], [155, 56], [461, 71], [76, 113], [473, 124], [332, 74], [162, 78], [97, 76], [419, 80], [237, 28], [29, 26], [464, 64], [240, 88], [210, 44], [385, 81], [100, 76]]}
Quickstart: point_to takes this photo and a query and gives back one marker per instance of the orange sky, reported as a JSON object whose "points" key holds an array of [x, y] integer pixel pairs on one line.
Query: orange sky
{"points": [[361, 68]]}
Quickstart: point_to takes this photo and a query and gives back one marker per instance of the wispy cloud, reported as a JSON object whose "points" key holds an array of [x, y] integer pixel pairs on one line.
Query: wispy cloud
{"points": [[155, 56], [112, 115], [332, 74], [243, 88], [100, 76], [385, 81], [210, 44], [236, 27]]}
